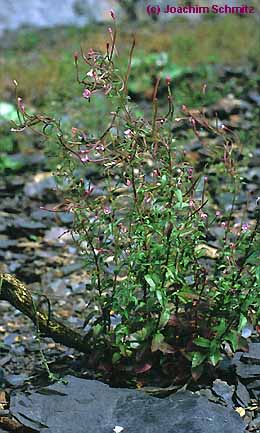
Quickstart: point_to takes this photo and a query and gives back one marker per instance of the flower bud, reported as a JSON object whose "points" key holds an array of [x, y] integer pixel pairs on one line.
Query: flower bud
{"points": [[168, 80], [20, 104], [86, 94], [112, 13]]}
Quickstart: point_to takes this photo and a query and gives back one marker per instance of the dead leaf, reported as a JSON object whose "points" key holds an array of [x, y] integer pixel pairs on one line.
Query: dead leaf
{"points": [[241, 411], [207, 251]]}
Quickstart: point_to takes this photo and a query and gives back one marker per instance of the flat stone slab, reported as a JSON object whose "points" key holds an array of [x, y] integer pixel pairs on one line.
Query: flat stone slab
{"points": [[253, 355], [248, 364], [89, 406]]}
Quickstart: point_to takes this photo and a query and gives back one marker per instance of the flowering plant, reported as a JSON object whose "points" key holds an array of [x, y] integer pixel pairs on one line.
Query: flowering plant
{"points": [[160, 293]]}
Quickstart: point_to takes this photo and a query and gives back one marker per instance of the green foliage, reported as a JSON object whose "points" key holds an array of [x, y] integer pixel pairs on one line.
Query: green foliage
{"points": [[7, 164], [144, 235]]}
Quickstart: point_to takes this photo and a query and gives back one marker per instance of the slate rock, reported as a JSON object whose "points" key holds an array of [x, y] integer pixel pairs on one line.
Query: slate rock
{"points": [[255, 424], [256, 395], [42, 183], [25, 223], [7, 243], [88, 405], [253, 355], [247, 364], [254, 97], [229, 105], [246, 371], [57, 235], [14, 14], [3, 224], [2, 376], [16, 379], [242, 395], [224, 391], [254, 385]]}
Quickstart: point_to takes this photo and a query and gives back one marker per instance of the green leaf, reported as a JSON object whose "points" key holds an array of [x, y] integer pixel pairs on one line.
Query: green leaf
{"points": [[257, 272], [242, 322], [116, 356], [164, 180], [178, 194], [221, 327], [159, 296], [197, 359], [232, 337], [215, 358], [97, 329], [164, 318], [202, 342], [150, 281], [156, 341]]}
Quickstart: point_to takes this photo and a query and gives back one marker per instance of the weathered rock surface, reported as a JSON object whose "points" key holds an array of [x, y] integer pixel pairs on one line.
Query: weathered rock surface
{"points": [[248, 364], [15, 14], [89, 405]]}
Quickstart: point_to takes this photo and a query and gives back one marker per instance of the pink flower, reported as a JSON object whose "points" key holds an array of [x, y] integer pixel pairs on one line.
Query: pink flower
{"points": [[168, 80], [218, 213], [107, 88], [203, 215], [20, 104], [122, 228], [107, 210], [245, 227], [192, 203], [84, 159], [147, 198], [91, 73], [100, 147], [88, 191], [155, 173], [128, 132], [76, 56], [112, 13], [86, 94], [91, 52], [100, 251]]}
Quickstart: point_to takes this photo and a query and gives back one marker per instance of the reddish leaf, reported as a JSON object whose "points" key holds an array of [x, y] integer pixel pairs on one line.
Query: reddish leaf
{"points": [[196, 372], [144, 368], [243, 344], [173, 321]]}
